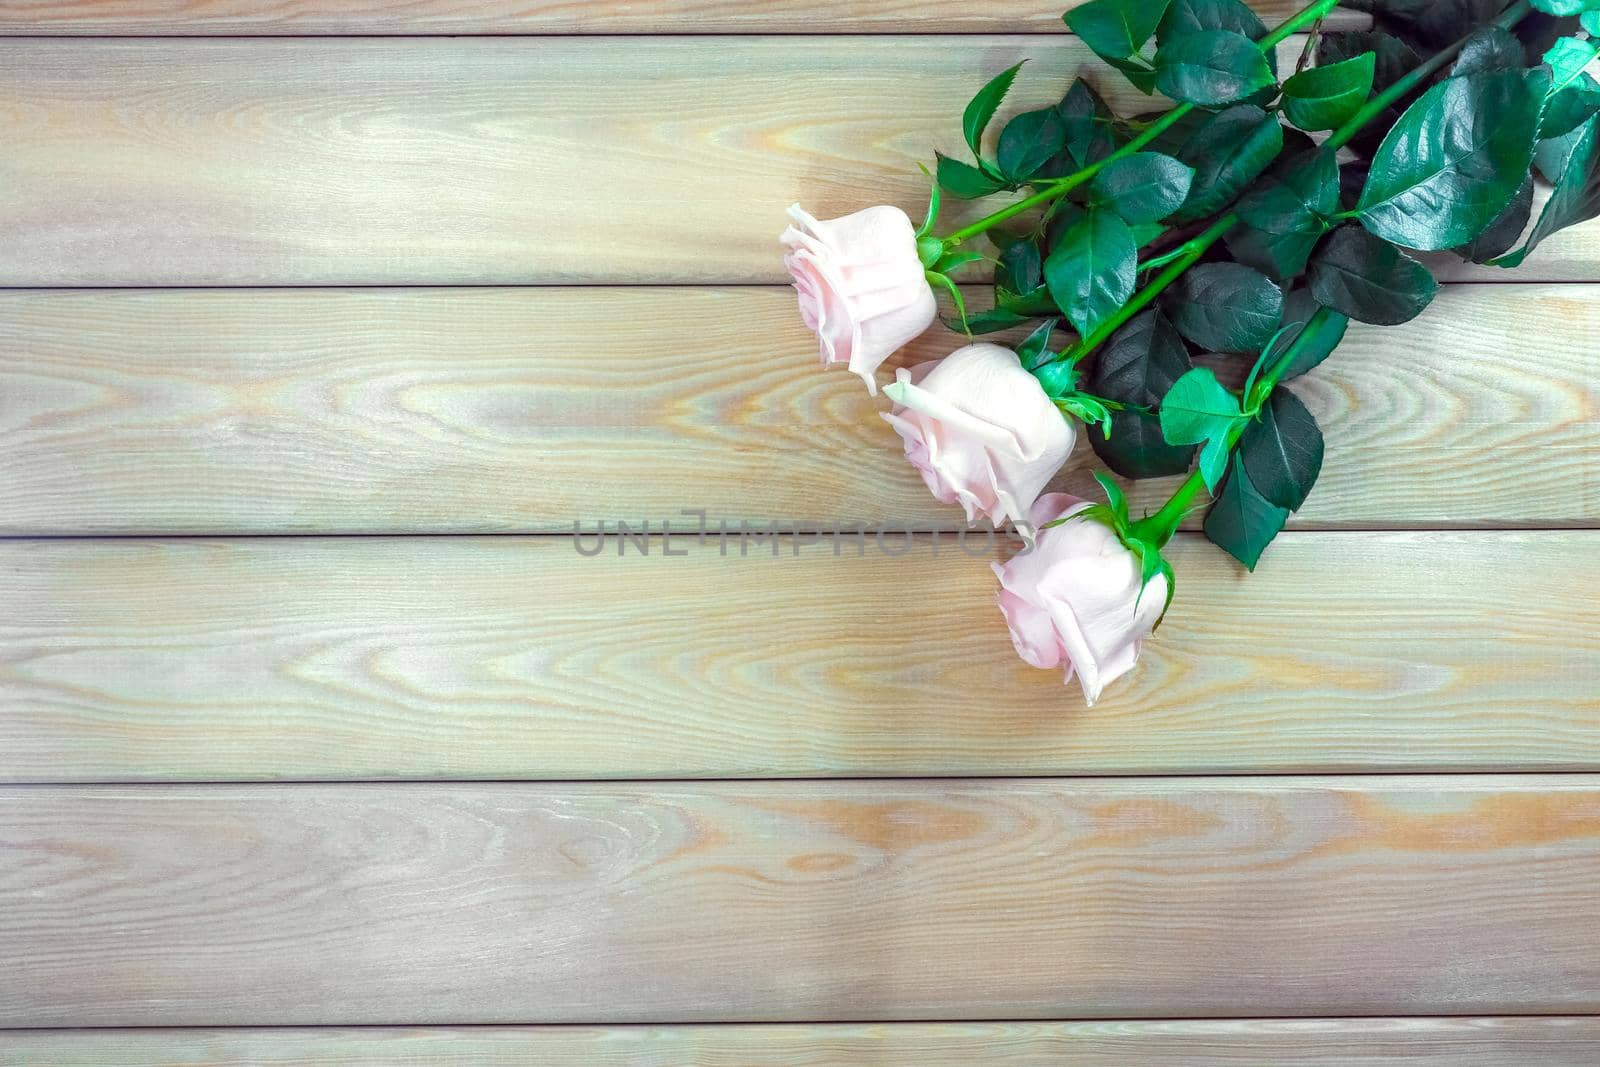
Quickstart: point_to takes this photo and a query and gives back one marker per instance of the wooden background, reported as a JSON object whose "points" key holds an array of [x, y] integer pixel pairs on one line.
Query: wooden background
{"points": [[323, 319]]}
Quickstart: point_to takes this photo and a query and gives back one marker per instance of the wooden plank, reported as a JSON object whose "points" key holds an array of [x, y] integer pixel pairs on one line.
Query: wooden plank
{"points": [[520, 658], [768, 901], [489, 160], [206, 17], [451, 411], [1568, 1041]]}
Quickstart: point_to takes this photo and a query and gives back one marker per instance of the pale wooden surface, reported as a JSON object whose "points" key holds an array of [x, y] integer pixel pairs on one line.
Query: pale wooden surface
{"points": [[764, 901], [1561, 1041], [518, 658], [431, 411], [489, 160], [428, 162], [201, 17]]}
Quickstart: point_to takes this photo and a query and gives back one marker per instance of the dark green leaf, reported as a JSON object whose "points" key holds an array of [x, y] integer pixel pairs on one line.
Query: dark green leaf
{"points": [[1573, 163], [1226, 307], [1503, 232], [1566, 110], [1140, 362], [1241, 521], [993, 321], [1298, 308], [1137, 365], [1116, 29], [1089, 126], [1227, 152], [1435, 22], [1028, 141], [1142, 187], [1369, 279], [964, 180], [1211, 68], [1136, 449], [1021, 268], [1324, 97], [1282, 451], [983, 106], [1491, 48], [1198, 409], [1091, 271], [1296, 196], [1193, 16], [1280, 256], [1453, 161], [1063, 215]]}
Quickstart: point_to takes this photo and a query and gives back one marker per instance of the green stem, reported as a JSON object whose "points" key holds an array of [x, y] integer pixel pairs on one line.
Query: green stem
{"points": [[1159, 527], [1059, 187], [1194, 249]]}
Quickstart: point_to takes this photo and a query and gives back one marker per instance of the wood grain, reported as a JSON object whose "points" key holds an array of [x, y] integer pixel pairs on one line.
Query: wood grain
{"points": [[204, 17], [489, 160], [798, 901], [497, 410], [1470, 1042], [519, 658]]}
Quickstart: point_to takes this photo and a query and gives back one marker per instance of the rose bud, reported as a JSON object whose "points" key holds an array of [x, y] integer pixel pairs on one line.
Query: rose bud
{"points": [[981, 432], [862, 287], [1077, 598]]}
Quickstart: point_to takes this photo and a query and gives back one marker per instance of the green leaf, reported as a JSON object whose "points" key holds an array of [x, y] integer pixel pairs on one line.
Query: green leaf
{"points": [[964, 180], [1591, 22], [1226, 307], [1138, 365], [1435, 22], [1142, 187], [1035, 348], [1116, 29], [1296, 196], [1198, 409], [950, 261], [1021, 268], [1282, 451], [1369, 279], [1195, 16], [1298, 308], [1491, 48], [1241, 521], [1566, 110], [1211, 68], [1395, 59], [1227, 152], [983, 106], [1573, 163], [1140, 74], [1453, 161], [1089, 125], [1325, 97], [1029, 141], [1090, 272], [1114, 497], [960, 322], [1561, 7], [1566, 59], [994, 320], [1503, 232]]}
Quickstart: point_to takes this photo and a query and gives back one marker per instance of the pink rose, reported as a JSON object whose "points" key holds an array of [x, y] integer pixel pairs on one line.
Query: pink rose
{"points": [[1075, 598], [981, 431], [861, 284]]}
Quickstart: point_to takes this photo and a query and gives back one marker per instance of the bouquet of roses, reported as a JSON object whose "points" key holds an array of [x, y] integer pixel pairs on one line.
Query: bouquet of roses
{"points": [[1253, 219]]}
